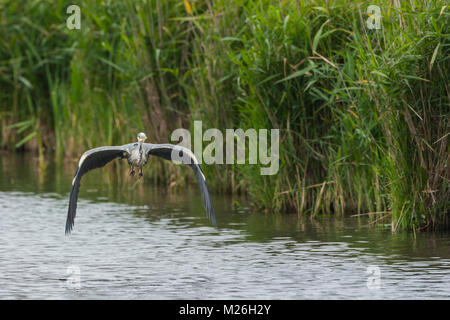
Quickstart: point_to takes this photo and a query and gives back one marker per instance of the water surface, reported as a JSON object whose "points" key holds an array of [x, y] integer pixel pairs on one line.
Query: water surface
{"points": [[140, 241]]}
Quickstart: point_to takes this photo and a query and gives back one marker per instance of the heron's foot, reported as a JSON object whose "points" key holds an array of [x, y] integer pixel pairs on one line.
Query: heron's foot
{"points": [[132, 172], [140, 173]]}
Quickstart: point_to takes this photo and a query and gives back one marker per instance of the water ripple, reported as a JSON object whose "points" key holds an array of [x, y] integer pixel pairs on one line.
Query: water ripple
{"points": [[127, 252]]}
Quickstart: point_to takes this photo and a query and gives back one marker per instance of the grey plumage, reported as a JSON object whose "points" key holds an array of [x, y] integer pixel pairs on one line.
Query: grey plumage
{"points": [[137, 155]]}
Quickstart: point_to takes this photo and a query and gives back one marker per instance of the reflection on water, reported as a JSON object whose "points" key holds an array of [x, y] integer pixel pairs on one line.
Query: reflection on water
{"points": [[144, 242]]}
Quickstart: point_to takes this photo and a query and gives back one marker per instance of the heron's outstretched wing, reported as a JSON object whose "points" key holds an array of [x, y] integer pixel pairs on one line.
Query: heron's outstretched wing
{"points": [[91, 159], [166, 151]]}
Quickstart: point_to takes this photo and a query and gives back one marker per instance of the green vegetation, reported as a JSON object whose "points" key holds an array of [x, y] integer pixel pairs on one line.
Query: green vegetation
{"points": [[363, 114]]}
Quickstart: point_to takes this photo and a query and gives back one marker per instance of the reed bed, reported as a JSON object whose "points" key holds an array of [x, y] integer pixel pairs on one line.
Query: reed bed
{"points": [[363, 113]]}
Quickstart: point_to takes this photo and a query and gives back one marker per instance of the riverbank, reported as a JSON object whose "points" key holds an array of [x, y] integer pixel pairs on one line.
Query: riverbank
{"points": [[363, 113]]}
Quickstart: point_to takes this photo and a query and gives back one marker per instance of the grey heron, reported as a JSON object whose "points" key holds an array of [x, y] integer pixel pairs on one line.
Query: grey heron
{"points": [[137, 155]]}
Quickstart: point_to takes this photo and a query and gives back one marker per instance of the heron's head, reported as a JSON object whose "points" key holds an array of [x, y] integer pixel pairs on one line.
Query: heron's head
{"points": [[141, 137]]}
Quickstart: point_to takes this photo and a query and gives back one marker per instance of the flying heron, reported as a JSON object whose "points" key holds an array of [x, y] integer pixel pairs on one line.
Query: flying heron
{"points": [[137, 155]]}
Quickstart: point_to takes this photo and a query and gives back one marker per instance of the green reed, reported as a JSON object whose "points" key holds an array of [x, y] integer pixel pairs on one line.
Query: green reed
{"points": [[363, 114]]}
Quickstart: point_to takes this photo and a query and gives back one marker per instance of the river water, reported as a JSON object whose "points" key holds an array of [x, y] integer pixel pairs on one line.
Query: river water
{"points": [[139, 241]]}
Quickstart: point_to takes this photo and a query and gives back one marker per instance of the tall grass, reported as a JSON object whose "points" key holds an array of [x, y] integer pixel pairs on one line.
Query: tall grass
{"points": [[363, 114]]}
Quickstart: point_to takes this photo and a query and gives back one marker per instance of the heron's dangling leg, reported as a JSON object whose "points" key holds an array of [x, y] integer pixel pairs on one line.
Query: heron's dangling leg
{"points": [[140, 172], [132, 171]]}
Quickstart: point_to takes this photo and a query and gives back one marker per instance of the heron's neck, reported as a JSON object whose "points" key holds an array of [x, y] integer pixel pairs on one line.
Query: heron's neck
{"points": [[140, 145]]}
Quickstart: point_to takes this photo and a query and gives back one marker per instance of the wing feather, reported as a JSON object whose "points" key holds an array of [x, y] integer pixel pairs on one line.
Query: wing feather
{"points": [[166, 151], [91, 159]]}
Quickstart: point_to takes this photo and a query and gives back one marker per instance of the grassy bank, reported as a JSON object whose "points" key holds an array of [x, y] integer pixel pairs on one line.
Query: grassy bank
{"points": [[363, 113]]}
